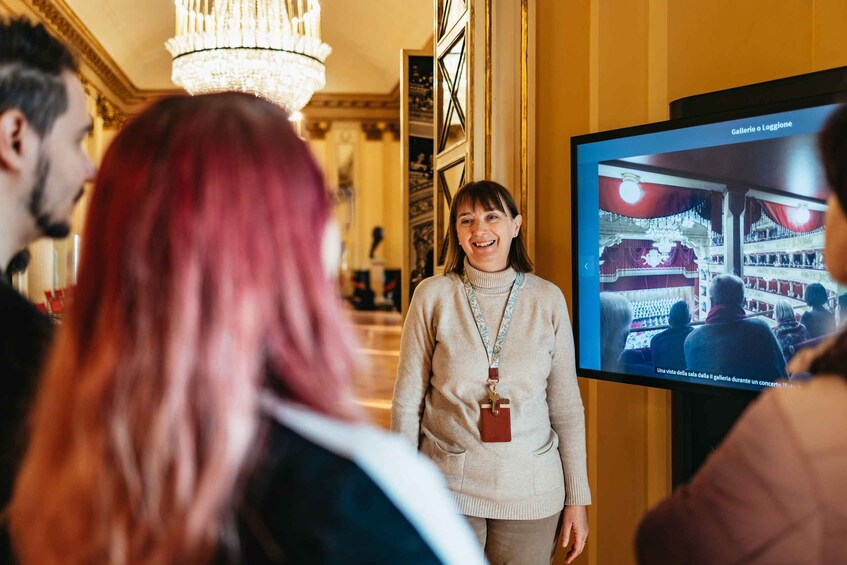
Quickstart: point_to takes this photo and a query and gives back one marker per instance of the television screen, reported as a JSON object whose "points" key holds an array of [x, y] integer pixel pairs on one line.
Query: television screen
{"points": [[699, 250]]}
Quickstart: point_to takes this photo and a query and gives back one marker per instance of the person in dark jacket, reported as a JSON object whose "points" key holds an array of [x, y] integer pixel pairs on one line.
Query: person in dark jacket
{"points": [[668, 346], [731, 344], [43, 119], [788, 331], [818, 320], [773, 491], [842, 309]]}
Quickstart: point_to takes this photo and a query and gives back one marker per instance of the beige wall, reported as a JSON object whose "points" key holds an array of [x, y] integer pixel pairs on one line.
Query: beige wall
{"points": [[604, 64], [378, 194]]}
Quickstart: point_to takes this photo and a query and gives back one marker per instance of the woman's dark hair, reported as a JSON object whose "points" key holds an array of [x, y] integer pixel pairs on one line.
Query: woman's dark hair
{"points": [[832, 145], [488, 195], [815, 295]]}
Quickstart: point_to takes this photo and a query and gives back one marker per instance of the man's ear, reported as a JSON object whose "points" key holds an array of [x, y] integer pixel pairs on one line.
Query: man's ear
{"points": [[15, 137]]}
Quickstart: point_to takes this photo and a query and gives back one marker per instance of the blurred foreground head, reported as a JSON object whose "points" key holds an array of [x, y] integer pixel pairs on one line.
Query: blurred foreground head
{"points": [[832, 145], [201, 283]]}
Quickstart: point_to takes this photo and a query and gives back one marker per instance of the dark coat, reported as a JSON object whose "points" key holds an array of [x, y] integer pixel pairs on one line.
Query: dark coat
{"points": [[24, 336], [744, 348], [668, 347], [818, 321], [325, 491]]}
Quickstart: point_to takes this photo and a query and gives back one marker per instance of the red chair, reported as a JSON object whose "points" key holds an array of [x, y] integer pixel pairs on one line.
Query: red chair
{"points": [[56, 306], [48, 294], [42, 307], [60, 293]]}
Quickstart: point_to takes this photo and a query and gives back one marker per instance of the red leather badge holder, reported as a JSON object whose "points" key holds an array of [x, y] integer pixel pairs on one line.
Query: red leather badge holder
{"points": [[495, 420], [495, 423]]}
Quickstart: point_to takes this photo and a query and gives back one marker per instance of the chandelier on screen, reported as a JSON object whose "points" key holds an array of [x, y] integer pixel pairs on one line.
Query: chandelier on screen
{"points": [[270, 48]]}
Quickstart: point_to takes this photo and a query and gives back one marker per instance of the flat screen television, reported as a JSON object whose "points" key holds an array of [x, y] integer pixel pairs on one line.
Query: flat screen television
{"points": [[664, 212]]}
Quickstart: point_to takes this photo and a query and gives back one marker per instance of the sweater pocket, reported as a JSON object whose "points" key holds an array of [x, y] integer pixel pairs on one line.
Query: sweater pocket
{"points": [[451, 464], [547, 473]]}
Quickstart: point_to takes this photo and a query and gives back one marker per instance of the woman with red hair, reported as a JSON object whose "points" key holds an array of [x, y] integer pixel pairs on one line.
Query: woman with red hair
{"points": [[197, 407]]}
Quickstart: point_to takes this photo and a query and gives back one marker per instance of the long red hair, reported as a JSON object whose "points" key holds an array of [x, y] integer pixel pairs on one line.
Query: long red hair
{"points": [[200, 278]]}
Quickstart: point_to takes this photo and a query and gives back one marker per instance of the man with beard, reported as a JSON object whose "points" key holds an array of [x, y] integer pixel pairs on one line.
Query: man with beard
{"points": [[43, 121]]}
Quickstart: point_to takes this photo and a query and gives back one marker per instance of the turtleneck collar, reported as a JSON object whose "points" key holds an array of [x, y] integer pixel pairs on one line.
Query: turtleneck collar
{"points": [[490, 283]]}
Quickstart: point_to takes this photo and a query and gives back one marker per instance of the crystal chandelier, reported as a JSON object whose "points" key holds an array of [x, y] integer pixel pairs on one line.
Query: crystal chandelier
{"points": [[667, 232], [270, 48]]}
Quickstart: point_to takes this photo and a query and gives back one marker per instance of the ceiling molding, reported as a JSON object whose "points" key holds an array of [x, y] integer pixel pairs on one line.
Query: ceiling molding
{"points": [[353, 106], [127, 98], [63, 22]]}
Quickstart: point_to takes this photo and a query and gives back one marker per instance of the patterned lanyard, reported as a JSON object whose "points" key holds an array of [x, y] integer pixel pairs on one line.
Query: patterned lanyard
{"points": [[493, 352]]}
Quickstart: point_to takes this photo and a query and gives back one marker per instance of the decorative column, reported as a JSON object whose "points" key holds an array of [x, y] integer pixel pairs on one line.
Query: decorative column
{"points": [[734, 228]]}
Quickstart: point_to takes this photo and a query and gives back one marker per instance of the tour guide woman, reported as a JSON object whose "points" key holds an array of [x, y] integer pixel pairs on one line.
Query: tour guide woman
{"points": [[498, 410]]}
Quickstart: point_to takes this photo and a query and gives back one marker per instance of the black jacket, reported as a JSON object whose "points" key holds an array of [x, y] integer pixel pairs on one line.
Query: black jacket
{"points": [[25, 334], [818, 321], [668, 348], [327, 492]]}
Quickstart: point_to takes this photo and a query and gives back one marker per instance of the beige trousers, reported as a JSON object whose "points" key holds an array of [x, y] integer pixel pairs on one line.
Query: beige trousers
{"points": [[517, 542]]}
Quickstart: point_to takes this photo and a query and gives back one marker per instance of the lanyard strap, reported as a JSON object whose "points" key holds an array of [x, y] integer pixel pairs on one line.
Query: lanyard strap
{"points": [[493, 352]]}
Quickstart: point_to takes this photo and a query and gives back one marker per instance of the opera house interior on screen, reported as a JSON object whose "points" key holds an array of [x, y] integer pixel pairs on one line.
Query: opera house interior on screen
{"points": [[675, 226]]}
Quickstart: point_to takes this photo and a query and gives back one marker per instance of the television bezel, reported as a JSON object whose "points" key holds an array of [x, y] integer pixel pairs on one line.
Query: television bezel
{"points": [[655, 127]]}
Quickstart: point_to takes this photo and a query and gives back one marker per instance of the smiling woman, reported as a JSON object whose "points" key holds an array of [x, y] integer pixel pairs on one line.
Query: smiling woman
{"points": [[484, 224], [461, 379]]}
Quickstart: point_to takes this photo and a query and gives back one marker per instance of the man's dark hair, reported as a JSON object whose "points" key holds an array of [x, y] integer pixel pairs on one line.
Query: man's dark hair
{"points": [[832, 146], [31, 65], [679, 314]]}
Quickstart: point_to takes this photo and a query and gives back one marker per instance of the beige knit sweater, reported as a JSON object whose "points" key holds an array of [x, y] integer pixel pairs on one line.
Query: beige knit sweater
{"points": [[441, 382]]}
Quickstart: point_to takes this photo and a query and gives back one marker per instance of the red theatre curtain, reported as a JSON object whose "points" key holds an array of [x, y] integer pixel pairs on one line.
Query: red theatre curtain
{"points": [[786, 216], [752, 214], [630, 254], [657, 200]]}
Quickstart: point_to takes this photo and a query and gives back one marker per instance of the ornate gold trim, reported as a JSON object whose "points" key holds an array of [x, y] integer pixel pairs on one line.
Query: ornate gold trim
{"points": [[524, 165], [375, 130], [470, 58], [113, 117], [353, 107], [323, 100], [394, 130], [64, 23], [317, 130], [62, 20], [488, 77], [462, 150]]}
